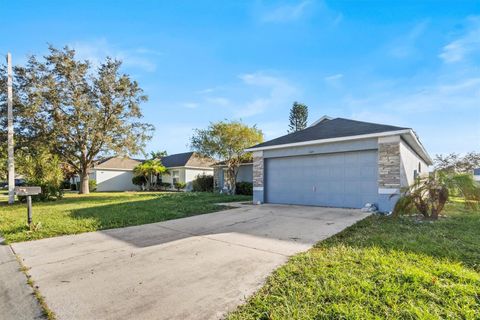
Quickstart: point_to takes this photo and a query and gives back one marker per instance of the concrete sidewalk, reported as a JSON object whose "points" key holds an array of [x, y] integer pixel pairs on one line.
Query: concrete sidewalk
{"points": [[192, 268], [17, 300]]}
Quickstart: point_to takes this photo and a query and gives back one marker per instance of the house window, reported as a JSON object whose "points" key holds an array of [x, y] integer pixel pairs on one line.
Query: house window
{"points": [[419, 167], [175, 176]]}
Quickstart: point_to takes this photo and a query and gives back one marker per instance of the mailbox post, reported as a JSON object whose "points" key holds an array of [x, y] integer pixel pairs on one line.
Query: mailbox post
{"points": [[28, 192]]}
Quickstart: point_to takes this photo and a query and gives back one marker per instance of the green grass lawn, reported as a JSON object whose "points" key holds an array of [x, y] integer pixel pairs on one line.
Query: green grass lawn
{"points": [[381, 268], [82, 213]]}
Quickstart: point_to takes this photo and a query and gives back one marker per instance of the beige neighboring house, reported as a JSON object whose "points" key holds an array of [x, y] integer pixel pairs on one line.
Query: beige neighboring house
{"points": [[185, 167], [113, 174], [116, 173]]}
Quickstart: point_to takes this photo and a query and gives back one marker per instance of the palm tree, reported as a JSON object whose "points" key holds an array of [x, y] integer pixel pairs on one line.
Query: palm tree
{"points": [[150, 169], [428, 195]]}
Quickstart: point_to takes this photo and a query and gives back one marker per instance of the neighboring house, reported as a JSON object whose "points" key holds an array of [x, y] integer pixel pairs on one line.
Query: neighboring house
{"points": [[245, 174], [185, 167], [476, 174], [338, 163], [113, 174], [116, 173]]}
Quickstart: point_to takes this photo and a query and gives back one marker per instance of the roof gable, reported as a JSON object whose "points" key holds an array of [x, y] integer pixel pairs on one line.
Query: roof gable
{"points": [[186, 159], [322, 119], [118, 163]]}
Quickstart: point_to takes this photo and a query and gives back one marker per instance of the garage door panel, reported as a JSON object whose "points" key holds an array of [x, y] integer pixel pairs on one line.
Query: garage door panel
{"points": [[338, 180]]}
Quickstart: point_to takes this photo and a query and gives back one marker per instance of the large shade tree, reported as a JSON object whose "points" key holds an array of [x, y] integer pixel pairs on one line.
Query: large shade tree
{"points": [[227, 141], [77, 110]]}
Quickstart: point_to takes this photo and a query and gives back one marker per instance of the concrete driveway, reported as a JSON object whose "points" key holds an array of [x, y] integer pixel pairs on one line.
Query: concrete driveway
{"points": [[193, 268]]}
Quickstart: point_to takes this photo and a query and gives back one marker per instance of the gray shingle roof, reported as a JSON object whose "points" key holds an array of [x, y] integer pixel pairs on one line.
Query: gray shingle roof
{"points": [[191, 159], [117, 162], [176, 160], [328, 129]]}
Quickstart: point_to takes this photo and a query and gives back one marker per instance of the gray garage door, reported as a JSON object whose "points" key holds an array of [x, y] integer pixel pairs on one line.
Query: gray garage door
{"points": [[346, 180]]}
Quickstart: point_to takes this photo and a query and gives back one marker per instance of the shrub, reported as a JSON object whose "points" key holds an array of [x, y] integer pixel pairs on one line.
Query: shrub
{"points": [[165, 185], [203, 183], [92, 185], [428, 195], [66, 184], [180, 185], [73, 187], [244, 187], [139, 180], [42, 168]]}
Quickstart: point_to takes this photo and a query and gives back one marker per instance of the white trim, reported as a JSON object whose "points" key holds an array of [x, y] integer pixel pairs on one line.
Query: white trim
{"points": [[321, 141], [199, 168], [388, 191], [257, 188], [224, 165], [408, 132], [422, 148], [188, 167], [112, 169], [325, 117]]}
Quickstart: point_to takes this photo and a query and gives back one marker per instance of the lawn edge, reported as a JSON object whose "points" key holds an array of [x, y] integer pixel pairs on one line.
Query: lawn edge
{"points": [[47, 312], [219, 206]]}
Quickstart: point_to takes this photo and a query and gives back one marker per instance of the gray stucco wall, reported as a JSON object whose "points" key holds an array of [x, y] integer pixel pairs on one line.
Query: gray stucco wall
{"points": [[410, 164]]}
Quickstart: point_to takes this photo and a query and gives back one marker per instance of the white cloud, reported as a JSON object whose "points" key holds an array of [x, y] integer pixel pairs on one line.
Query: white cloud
{"points": [[458, 94], [467, 44], [405, 45], [96, 51], [252, 94], [338, 19], [285, 12], [334, 80], [205, 91], [190, 105], [279, 92], [221, 101]]}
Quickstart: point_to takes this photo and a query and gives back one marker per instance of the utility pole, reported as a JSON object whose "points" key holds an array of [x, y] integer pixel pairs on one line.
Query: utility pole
{"points": [[11, 164]]}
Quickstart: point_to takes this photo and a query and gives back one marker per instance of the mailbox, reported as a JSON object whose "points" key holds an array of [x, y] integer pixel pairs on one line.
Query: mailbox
{"points": [[28, 192]]}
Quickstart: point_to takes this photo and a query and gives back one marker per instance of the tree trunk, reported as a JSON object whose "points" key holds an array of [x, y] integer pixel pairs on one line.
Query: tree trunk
{"points": [[232, 179], [84, 187]]}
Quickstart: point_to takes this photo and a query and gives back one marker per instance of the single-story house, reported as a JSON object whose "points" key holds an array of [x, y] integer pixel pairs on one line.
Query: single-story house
{"points": [[116, 173], [185, 167], [338, 163], [113, 174], [245, 174]]}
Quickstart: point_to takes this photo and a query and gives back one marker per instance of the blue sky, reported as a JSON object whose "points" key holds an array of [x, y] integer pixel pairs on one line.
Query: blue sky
{"points": [[406, 63]]}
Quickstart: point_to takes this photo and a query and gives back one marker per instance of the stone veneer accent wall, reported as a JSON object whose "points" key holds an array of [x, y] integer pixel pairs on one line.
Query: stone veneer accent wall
{"points": [[258, 170], [389, 163]]}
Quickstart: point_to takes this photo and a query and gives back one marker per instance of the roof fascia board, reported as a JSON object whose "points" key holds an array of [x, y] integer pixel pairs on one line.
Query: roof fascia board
{"points": [[190, 167], [424, 154], [322, 141], [241, 164], [325, 117], [112, 169]]}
